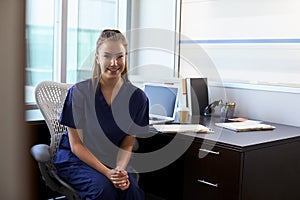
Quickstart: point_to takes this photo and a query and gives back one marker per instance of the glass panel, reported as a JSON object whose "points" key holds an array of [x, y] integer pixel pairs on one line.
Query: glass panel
{"points": [[39, 38], [86, 19]]}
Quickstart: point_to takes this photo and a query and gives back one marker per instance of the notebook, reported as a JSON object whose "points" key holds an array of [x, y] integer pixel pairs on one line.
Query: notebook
{"points": [[163, 101], [248, 125], [182, 128]]}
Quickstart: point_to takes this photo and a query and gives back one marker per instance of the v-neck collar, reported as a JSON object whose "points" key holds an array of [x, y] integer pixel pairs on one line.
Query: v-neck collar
{"points": [[102, 99], [105, 115]]}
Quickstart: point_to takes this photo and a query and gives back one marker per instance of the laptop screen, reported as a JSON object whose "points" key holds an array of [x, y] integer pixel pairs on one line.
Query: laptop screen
{"points": [[162, 100]]}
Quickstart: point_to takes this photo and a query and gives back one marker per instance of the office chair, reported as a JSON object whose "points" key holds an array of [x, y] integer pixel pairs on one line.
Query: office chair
{"points": [[50, 97]]}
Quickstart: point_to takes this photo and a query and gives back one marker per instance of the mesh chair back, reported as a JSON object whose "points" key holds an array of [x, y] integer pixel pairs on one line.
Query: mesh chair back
{"points": [[50, 97]]}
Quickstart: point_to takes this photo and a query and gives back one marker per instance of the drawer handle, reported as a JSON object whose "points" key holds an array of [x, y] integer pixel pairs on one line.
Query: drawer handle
{"points": [[209, 151], [207, 183]]}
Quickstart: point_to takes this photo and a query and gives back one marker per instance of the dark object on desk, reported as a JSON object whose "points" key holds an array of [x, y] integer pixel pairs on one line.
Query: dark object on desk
{"points": [[208, 110], [50, 97], [197, 95]]}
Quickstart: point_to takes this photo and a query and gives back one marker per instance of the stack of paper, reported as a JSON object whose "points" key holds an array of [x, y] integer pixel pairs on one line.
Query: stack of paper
{"points": [[248, 125], [182, 128]]}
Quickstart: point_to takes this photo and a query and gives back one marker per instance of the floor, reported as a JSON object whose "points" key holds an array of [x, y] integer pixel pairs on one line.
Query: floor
{"points": [[152, 197], [147, 197]]}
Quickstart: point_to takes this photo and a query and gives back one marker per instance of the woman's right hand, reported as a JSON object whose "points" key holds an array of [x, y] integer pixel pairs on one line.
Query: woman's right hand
{"points": [[119, 177]]}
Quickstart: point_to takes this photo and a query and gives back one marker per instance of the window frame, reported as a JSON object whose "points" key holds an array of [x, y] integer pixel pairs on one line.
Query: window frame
{"points": [[123, 8]]}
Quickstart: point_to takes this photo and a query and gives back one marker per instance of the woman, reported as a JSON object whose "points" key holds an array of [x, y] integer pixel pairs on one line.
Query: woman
{"points": [[103, 115]]}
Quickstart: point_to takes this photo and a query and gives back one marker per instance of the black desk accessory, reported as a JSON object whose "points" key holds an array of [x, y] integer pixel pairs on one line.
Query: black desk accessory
{"points": [[208, 110], [197, 95]]}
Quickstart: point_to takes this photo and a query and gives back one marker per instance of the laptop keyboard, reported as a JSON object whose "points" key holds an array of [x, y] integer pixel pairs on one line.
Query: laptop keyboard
{"points": [[155, 120]]}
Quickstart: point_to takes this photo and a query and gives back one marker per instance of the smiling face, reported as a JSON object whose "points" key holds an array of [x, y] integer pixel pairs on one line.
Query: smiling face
{"points": [[111, 56]]}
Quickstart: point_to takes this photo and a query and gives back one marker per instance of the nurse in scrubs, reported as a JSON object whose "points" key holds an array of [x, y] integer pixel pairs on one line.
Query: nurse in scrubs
{"points": [[103, 116]]}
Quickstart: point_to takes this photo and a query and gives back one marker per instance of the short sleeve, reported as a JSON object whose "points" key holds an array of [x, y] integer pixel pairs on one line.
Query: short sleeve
{"points": [[139, 111], [141, 117], [71, 114]]}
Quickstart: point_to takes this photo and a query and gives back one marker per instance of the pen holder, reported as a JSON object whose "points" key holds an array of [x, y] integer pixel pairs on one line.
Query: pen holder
{"points": [[227, 111]]}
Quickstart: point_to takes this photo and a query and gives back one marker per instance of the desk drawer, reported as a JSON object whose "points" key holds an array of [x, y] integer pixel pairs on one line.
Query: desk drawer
{"points": [[211, 172]]}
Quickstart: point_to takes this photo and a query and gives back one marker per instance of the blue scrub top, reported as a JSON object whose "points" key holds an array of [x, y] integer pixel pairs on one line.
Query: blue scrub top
{"points": [[104, 126]]}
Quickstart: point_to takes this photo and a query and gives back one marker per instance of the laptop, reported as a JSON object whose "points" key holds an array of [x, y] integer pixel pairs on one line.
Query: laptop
{"points": [[163, 101]]}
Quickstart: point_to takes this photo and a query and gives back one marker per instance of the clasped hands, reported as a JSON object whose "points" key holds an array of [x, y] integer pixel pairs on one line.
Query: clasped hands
{"points": [[119, 177]]}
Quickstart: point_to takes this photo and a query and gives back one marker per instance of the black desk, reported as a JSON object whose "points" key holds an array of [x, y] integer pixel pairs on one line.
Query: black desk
{"points": [[250, 165], [239, 166]]}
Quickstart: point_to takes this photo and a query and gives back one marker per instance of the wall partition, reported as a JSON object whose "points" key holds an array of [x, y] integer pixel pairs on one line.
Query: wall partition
{"points": [[254, 42], [249, 50], [153, 40]]}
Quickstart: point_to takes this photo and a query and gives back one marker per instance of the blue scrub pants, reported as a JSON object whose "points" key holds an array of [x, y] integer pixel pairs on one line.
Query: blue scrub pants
{"points": [[92, 185]]}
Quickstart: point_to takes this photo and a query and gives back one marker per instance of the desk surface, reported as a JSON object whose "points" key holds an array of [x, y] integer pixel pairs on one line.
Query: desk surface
{"points": [[245, 139], [221, 135]]}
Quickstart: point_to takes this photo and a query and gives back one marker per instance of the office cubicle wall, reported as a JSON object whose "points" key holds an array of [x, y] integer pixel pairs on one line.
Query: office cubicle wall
{"points": [[254, 47]]}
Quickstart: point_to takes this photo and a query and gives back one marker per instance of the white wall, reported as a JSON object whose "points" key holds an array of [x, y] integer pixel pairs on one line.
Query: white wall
{"points": [[253, 63], [152, 38], [253, 41], [153, 46], [270, 106], [14, 150]]}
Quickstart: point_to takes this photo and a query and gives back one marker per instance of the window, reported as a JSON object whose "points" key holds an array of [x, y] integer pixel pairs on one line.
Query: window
{"points": [[40, 44], [61, 37]]}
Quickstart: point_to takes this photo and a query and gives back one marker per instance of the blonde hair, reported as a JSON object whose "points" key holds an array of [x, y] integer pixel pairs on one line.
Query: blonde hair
{"points": [[111, 35]]}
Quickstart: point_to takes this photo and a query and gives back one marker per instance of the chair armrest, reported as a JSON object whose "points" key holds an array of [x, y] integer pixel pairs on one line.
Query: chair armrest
{"points": [[40, 152]]}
